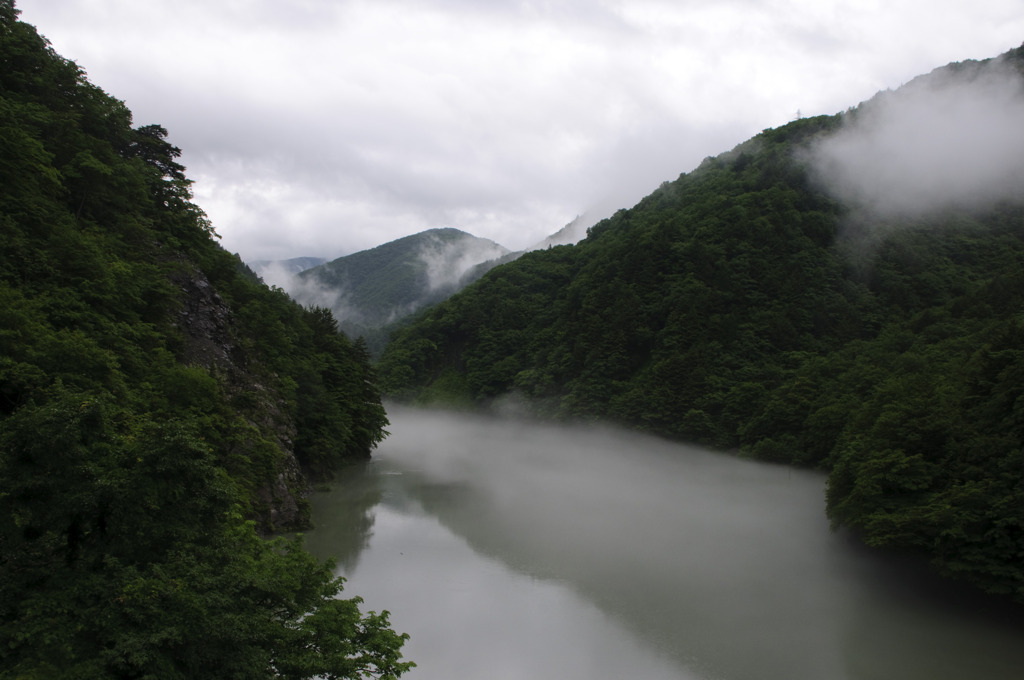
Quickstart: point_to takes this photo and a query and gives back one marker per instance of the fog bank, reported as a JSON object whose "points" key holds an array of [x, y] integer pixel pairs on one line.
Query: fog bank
{"points": [[446, 262], [952, 139], [494, 539]]}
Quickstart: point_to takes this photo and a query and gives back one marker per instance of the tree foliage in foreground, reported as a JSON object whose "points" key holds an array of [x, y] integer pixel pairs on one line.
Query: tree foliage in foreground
{"points": [[126, 555], [742, 307], [152, 393]]}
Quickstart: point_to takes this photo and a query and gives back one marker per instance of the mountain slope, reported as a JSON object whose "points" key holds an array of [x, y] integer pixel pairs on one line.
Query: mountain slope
{"points": [[157, 405], [789, 299], [372, 288]]}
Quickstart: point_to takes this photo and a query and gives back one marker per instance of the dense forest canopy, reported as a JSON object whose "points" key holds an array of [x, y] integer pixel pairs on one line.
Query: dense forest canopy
{"points": [[158, 407], [874, 331]]}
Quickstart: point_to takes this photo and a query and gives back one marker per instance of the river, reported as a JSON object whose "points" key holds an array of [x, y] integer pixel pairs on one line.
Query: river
{"points": [[509, 549]]}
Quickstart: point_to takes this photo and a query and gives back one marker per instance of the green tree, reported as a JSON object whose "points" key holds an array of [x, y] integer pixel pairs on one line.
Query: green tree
{"points": [[148, 401]]}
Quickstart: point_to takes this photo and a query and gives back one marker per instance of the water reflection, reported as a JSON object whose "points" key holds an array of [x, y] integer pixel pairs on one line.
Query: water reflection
{"points": [[344, 518], [509, 549]]}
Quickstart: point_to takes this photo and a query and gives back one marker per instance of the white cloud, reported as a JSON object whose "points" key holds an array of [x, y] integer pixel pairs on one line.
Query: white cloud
{"points": [[324, 127], [447, 262], [954, 139]]}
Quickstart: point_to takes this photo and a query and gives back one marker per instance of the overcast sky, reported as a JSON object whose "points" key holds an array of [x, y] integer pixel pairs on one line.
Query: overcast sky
{"points": [[324, 127]]}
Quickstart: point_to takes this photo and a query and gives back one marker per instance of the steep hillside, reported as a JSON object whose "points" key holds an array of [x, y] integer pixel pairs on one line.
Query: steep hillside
{"points": [[158, 405], [373, 288], [842, 292]]}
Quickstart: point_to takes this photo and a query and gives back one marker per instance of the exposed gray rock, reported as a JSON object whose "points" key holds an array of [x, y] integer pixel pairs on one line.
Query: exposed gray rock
{"points": [[205, 322]]}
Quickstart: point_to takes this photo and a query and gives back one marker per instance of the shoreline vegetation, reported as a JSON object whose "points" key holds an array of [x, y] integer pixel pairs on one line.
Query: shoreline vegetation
{"points": [[160, 411]]}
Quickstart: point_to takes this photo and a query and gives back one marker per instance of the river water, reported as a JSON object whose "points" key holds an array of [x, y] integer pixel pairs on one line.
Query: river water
{"points": [[515, 550]]}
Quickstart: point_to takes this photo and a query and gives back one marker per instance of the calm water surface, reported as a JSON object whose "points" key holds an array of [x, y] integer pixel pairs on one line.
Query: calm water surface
{"points": [[513, 550]]}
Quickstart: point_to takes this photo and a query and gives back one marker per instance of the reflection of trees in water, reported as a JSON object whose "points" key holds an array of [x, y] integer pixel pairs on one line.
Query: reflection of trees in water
{"points": [[343, 516], [912, 624], [494, 533]]}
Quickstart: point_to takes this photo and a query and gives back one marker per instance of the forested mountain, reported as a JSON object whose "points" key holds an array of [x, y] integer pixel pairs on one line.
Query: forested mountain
{"points": [[373, 288], [158, 405], [843, 292]]}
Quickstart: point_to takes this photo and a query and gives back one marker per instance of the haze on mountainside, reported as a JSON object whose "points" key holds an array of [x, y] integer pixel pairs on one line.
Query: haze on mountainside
{"points": [[841, 292], [448, 259], [951, 139], [402, 275], [275, 272], [372, 289]]}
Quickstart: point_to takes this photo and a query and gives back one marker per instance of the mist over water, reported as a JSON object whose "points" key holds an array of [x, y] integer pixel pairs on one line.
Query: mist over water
{"points": [[511, 549]]}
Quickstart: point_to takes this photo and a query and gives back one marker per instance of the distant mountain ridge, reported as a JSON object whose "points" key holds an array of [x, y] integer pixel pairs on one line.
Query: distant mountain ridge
{"points": [[372, 288]]}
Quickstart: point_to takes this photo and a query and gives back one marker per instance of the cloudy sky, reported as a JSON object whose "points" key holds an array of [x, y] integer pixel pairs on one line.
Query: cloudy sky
{"points": [[324, 127]]}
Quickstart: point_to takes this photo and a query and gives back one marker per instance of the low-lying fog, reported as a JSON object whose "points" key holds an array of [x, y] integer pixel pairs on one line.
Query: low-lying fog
{"points": [[510, 549]]}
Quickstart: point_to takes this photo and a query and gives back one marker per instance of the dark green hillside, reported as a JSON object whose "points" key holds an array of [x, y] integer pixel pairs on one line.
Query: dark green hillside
{"points": [[743, 307], [157, 405], [726, 255], [373, 288]]}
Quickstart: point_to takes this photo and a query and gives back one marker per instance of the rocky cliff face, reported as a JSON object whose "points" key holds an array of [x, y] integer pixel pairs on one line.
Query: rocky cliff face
{"points": [[205, 320], [208, 335]]}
